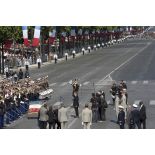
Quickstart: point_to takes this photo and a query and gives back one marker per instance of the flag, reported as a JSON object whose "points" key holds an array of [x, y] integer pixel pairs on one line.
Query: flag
{"points": [[52, 36], [25, 35], [36, 36]]}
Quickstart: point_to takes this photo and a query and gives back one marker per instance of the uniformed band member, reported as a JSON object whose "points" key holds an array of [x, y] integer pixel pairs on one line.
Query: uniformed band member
{"points": [[73, 54], [75, 86]]}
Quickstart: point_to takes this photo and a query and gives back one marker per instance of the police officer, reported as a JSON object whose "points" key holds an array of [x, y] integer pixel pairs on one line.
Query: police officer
{"points": [[83, 51], [89, 48], [39, 62], [66, 56], [121, 117], [55, 58], [73, 54]]}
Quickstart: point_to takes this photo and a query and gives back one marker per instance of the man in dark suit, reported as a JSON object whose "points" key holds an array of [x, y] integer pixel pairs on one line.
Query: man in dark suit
{"points": [[76, 104], [142, 114], [121, 117]]}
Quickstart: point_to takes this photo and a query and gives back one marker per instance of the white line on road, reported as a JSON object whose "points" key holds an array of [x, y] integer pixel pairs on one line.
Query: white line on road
{"points": [[64, 83], [134, 82], [145, 82], [128, 60], [52, 84], [152, 102], [85, 83]]}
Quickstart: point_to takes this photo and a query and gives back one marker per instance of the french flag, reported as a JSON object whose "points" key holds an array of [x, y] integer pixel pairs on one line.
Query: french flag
{"points": [[25, 35], [36, 36]]}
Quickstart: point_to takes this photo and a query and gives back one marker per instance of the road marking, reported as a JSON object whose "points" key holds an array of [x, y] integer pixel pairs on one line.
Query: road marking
{"points": [[134, 82], [64, 83], [145, 82], [85, 83], [52, 84], [152, 102], [125, 62]]}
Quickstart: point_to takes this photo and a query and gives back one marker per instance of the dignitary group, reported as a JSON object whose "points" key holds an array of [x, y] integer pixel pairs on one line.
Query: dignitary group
{"points": [[134, 116]]}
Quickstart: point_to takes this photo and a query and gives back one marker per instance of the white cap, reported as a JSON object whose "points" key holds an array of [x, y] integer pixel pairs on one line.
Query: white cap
{"points": [[121, 107], [135, 105]]}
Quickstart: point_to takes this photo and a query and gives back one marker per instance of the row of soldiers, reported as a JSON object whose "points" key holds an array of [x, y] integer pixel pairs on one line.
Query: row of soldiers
{"points": [[15, 96]]}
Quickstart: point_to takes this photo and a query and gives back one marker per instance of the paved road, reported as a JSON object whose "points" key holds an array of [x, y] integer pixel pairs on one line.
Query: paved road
{"points": [[132, 61]]}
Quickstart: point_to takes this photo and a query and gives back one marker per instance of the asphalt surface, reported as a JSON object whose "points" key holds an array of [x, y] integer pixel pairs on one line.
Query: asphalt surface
{"points": [[132, 61]]}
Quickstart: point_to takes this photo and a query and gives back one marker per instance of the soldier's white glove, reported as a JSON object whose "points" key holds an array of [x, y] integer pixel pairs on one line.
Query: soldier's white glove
{"points": [[82, 123]]}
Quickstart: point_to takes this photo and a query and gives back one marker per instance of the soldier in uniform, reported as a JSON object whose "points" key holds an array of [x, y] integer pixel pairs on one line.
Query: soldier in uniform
{"points": [[121, 117]]}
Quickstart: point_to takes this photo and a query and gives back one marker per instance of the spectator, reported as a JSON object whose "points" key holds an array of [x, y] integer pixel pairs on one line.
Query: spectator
{"points": [[20, 74]]}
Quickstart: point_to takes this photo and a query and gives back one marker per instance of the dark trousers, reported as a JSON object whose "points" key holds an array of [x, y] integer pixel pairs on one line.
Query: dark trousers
{"points": [[39, 64], [143, 122], [121, 126], [101, 112], [76, 111], [1, 121], [43, 124], [55, 61], [66, 58], [26, 67], [56, 122], [138, 125], [50, 124], [95, 115]]}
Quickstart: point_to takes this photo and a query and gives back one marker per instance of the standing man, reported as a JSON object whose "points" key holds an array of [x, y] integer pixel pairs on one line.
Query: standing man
{"points": [[76, 104], [2, 111], [43, 116], [39, 62], [121, 117], [135, 116], [142, 114], [62, 116], [20, 74], [94, 107], [86, 117]]}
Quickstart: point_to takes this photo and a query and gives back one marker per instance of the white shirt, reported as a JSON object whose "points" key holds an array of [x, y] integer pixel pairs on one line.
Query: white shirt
{"points": [[55, 56], [83, 49], [27, 62], [89, 47], [66, 54], [39, 60], [73, 52]]}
